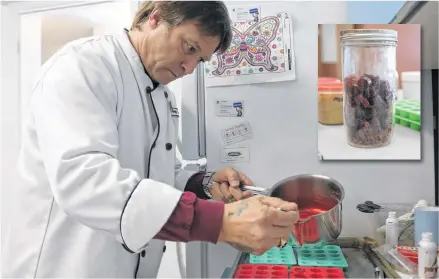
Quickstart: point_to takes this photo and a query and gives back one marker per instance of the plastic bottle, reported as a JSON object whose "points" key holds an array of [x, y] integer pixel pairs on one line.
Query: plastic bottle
{"points": [[420, 203], [392, 229], [427, 256]]}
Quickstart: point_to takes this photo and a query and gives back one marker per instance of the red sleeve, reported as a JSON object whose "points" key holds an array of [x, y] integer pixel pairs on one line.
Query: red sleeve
{"points": [[194, 219]]}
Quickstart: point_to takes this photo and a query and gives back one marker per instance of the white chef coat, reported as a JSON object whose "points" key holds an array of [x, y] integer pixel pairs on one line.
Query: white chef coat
{"points": [[95, 180]]}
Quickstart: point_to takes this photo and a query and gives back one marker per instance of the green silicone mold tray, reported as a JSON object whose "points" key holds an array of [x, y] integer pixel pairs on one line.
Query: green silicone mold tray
{"points": [[408, 114], [283, 256], [293, 243], [328, 256]]}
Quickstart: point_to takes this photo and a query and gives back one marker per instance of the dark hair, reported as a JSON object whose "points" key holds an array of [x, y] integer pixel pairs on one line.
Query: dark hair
{"points": [[212, 17]]}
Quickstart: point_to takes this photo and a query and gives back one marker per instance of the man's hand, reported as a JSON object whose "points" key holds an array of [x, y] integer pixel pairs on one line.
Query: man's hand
{"points": [[225, 185], [257, 224]]}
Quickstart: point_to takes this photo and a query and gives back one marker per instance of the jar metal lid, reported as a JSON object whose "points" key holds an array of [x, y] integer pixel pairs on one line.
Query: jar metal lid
{"points": [[368, 36]]}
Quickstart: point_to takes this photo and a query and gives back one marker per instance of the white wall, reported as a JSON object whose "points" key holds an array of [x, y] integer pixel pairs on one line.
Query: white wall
{"points": [[58, 30], [30, 57], [1, 110], [329, 44], [43, 33], [111, 15], [9, 105]]}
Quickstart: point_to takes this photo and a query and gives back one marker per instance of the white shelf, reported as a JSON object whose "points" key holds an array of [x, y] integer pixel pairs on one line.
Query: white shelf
{"points": [[332, 145]]}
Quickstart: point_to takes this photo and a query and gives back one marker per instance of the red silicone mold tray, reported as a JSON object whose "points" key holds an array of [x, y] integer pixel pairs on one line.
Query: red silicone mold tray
{"points": [[410, 253], [316, 272], [261, 271]]}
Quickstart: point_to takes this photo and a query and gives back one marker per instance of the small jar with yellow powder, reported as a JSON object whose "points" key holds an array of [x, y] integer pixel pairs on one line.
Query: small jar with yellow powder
{"points": [[331, 103]]}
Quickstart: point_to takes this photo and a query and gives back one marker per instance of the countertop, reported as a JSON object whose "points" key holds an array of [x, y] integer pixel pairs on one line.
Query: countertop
{"points": [[332, 145]]}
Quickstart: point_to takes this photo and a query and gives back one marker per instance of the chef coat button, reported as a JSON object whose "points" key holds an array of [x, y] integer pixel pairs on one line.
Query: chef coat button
{"points": [[143, 253], [148, 89], [166, 94], [164, 248], [168, 146]]}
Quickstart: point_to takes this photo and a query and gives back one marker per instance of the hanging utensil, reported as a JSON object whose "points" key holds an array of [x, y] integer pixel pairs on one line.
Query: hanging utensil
{"points": [[369, 207]]}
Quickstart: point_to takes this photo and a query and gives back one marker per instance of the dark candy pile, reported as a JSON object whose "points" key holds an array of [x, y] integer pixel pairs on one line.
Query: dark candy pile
{"points": [[368, 110]]}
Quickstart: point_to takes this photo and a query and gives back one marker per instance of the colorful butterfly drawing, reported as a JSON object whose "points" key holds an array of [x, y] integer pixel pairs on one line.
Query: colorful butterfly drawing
{"points": [[251, 45]]}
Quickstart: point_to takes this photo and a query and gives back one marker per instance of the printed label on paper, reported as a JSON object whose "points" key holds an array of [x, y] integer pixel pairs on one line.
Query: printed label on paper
{"points": [[247, 13], [235, 154], [227, 108], [236, 133]]}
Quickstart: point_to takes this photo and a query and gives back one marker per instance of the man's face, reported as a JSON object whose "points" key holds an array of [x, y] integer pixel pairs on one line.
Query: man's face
{"points": [[169, 53]]}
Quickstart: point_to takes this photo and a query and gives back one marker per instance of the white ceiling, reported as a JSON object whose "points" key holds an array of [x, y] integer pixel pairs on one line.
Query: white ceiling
{"points": [[4, 3], [35, 5]]}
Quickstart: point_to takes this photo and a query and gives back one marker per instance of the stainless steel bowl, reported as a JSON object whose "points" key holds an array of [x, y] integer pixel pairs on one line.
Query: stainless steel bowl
{"points": [[319, 199]]}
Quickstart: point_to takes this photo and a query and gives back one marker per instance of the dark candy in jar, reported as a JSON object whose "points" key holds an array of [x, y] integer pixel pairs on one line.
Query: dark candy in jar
{"points": [[369, 107]]}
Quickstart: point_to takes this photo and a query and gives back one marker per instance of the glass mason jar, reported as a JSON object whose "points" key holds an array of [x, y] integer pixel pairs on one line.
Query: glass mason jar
{"points": [[370, 83]]}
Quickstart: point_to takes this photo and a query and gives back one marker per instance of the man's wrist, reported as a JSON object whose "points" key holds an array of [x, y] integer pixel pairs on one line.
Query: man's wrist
{"points": [[224, 233], [195, 185], [206, 184]]}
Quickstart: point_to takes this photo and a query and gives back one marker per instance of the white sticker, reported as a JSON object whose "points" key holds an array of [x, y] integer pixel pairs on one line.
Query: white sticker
{"points": [[236, 133], [235, 154], [226, 108], [248, 13]]}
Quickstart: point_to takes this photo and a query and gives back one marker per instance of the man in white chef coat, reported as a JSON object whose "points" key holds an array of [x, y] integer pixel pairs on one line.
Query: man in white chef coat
{"points": [[100, 189]]}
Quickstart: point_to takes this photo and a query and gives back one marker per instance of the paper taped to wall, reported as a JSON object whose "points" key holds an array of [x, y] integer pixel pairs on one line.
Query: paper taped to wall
{"points": [[225, 108], [235, 154], [236, 133], [262, 48], [247, 13]]}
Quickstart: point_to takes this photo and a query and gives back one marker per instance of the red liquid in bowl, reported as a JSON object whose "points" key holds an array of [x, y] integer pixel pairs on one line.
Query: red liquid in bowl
{"points": [[308, 232], [308, 212]]}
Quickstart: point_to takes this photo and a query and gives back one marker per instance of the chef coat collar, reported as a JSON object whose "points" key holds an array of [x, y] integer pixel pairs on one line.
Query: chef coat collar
{"points": [[136, 63]]}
